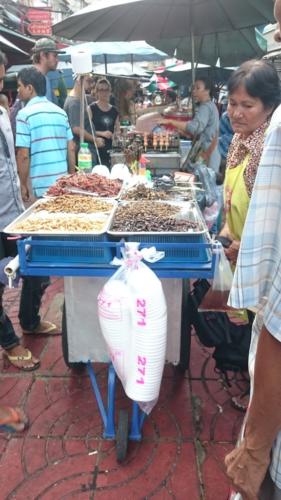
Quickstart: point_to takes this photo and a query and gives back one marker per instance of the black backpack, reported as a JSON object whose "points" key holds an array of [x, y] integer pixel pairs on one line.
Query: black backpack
{"points": [[231, 341]]}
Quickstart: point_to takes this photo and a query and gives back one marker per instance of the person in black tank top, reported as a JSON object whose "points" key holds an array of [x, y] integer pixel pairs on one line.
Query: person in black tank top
{"points": [[105, 118]]}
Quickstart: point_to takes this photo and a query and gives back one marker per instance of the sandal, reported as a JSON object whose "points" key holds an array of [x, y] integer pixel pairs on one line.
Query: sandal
{"points": [[14, 421], [18, 358], [241, 402], [44, 328]]}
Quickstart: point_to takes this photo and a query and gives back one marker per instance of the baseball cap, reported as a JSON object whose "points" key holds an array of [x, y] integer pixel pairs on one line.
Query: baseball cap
{"points": [[46, 45]]}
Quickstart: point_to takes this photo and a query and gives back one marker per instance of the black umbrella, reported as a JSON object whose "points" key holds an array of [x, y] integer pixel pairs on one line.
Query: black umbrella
{"points": [[116, 20]]}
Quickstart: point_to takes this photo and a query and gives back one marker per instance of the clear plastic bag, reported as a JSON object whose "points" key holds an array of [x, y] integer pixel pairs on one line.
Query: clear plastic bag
{"points": [[133, 318], [217, 296]]}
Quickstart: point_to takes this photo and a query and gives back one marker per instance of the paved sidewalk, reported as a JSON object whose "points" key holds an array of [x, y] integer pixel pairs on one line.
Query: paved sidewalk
{"points": [[63, 456]]}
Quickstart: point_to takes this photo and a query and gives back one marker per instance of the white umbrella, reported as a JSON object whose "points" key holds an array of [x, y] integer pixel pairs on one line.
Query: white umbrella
{"points": [[120, 69], [115, 52]]}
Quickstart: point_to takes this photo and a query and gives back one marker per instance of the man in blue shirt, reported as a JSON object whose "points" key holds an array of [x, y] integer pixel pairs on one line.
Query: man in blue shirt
{"points": [[43, 136]]}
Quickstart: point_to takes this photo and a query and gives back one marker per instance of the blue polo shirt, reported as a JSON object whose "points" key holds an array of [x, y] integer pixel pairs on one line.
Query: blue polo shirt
{"points": [[43, 128]]}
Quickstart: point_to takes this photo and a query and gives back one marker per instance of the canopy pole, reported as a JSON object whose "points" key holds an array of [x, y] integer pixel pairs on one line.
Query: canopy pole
{"points": [[105, 63], [192, 56], [82, 108]]}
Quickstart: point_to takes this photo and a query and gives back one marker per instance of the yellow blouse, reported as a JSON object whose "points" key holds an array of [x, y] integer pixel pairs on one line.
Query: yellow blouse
{"points": [[236, 199]]}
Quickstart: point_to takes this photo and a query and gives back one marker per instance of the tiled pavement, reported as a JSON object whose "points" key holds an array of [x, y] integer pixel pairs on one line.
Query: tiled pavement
{"points": [[63, 456]]}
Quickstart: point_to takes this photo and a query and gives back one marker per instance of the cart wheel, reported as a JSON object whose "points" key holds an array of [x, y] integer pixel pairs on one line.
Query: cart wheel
{"points": [[73, 366], [185, 330], [122, 435]]}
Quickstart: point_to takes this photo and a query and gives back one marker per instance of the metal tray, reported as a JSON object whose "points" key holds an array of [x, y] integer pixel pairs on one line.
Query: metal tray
{"points": [[30, 211], [74, 190], [190, 207]]}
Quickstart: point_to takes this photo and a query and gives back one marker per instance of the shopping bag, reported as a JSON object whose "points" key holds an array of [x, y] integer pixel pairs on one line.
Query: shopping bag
{"points": [[133, 318], [217, 296]]}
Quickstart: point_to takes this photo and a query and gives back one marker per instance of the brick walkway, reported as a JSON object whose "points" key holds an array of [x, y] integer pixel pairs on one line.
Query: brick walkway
{"points": [[63, 456]]}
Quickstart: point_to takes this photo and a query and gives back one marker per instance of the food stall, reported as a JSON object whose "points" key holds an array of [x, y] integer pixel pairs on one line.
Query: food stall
{"points": [[162, 150], [77, 229]]}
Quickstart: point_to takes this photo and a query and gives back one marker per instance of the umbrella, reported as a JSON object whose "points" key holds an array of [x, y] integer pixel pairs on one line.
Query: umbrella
{"points": [[24, 42], [156, 19], [184, 76], [115, 52], [158, 82], [121, 69], [9, 46], [231, 48]]}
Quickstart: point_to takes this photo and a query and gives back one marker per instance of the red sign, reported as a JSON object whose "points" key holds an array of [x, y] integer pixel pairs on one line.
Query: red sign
{"points": [[36, 15], [40, 29]]}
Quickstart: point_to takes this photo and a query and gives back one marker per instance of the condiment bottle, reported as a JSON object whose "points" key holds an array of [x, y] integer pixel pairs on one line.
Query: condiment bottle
{"points": [[142, 165], [84, 158]]}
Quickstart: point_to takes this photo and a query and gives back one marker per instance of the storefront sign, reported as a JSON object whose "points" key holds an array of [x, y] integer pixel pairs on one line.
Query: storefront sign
{"points": [[37, 15], [39, 29]]}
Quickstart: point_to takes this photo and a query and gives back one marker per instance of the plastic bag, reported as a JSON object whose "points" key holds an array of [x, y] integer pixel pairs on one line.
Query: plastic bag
{"points": [[217, 296], [207, 177], [211, 214], [133, 318]]}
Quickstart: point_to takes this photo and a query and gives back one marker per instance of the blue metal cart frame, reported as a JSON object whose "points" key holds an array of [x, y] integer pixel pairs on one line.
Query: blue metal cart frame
{"points": [[176, 270]]}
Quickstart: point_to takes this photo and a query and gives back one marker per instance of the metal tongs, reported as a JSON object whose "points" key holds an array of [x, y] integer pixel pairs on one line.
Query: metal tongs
{"points": [[81, 191]]}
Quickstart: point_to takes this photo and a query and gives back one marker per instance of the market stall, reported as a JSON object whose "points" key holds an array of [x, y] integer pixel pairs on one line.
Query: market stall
{"points": [[161, 150], [74, 233]]}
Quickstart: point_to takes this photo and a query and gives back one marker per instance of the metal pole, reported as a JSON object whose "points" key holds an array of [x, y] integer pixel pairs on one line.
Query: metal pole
{"points": [[192, 56], [82, 108]]}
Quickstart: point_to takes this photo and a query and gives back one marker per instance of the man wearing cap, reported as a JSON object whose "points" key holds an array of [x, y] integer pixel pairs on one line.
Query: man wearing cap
{"points": [[45, 59]]}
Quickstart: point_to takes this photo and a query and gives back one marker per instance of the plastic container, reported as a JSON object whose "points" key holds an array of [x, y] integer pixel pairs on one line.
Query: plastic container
{"points": [[84, 158]]}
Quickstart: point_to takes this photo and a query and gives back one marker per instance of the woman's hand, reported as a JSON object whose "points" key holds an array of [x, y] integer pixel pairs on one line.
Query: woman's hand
{"points": [[232, 251], [164, 121], [106, 134]]}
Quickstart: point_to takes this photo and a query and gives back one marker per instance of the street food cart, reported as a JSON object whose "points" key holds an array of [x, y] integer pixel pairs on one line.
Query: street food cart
{"points": [[81, 247]]}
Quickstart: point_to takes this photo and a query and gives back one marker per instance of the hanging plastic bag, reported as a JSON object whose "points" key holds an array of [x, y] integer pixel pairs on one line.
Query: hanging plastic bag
{"points": [[211, 214], [133, 318], [217, 296], [207, 177]]}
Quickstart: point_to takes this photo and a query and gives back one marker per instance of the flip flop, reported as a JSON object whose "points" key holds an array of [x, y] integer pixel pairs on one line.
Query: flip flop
{"points": [[241, 402], [21, 357], [44, 328], [15, 417]]}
